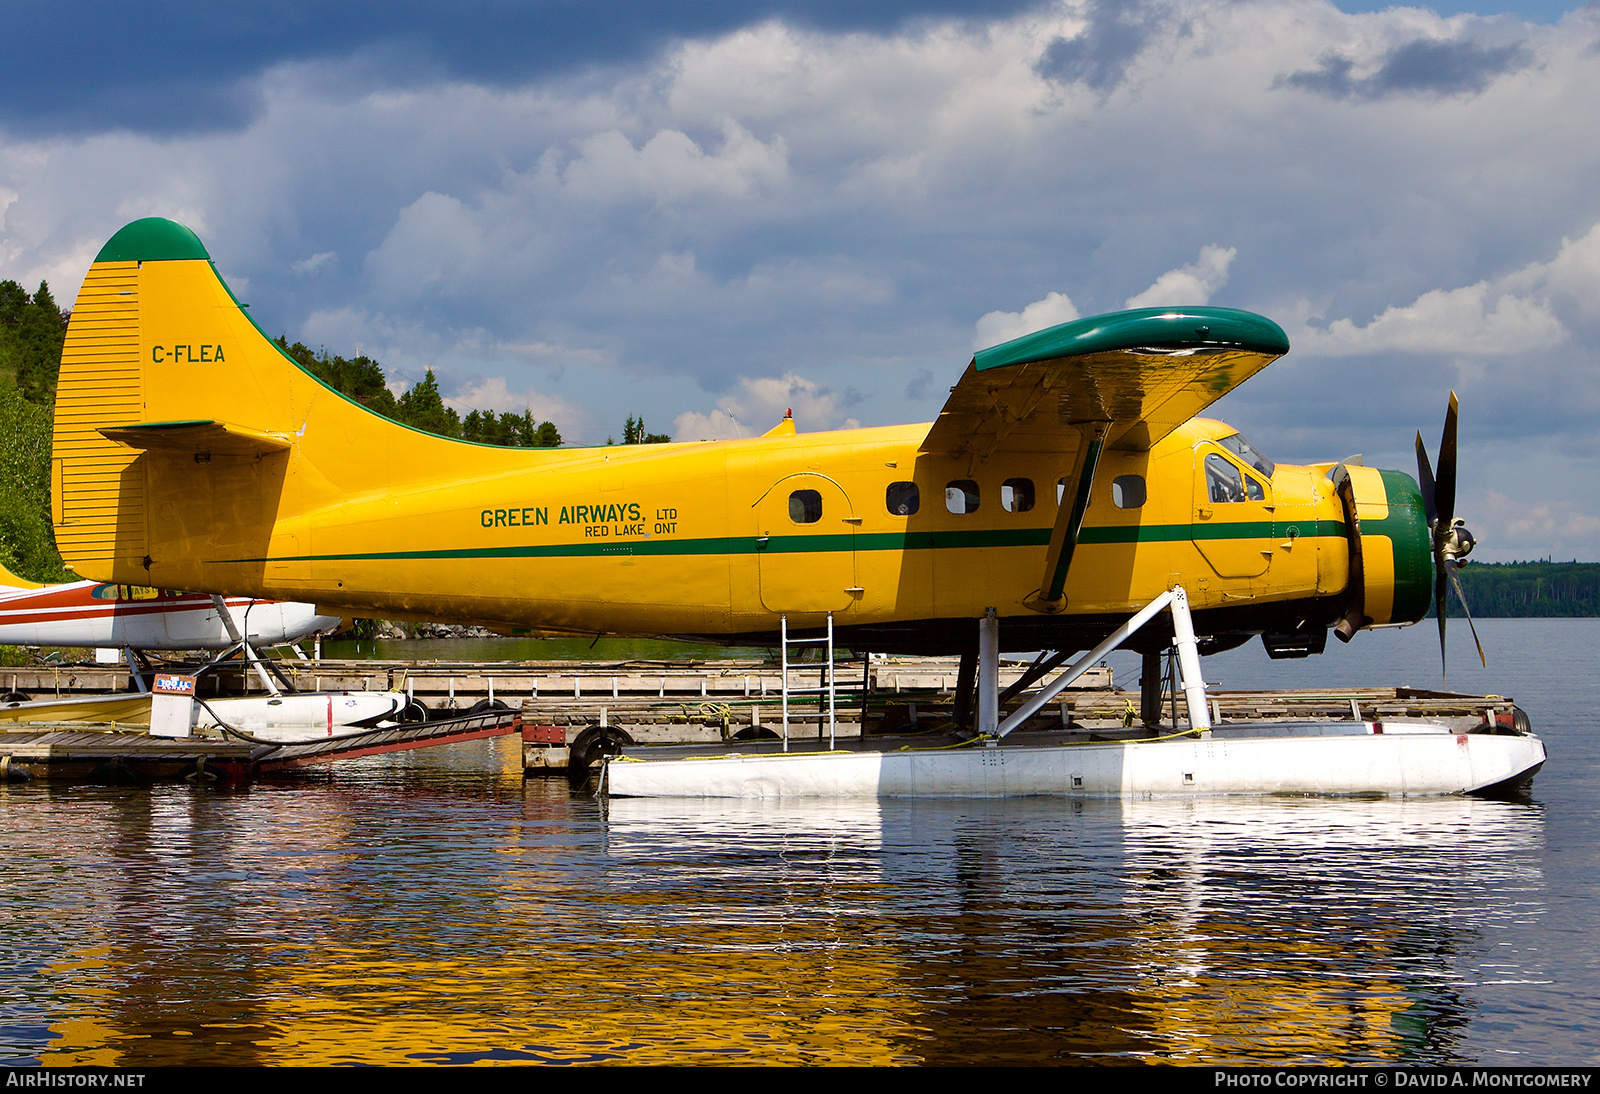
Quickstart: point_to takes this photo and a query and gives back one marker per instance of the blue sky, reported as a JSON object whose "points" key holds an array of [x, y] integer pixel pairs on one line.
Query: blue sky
{"points": [[707, 212]]}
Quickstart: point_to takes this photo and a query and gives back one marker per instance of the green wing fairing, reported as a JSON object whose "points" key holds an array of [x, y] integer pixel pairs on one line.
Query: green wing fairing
{"points": [[1169, 328]]}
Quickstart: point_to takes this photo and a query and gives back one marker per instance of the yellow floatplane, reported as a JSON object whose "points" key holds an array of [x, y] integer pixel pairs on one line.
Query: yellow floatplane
{"points": [[1066, 486]]}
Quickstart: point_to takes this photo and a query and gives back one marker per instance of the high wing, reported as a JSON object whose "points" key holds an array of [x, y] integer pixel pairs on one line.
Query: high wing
{"points": [[1122, 380]]}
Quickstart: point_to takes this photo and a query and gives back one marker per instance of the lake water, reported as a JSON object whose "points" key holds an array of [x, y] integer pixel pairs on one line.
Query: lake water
{"points": [[434, 907]]}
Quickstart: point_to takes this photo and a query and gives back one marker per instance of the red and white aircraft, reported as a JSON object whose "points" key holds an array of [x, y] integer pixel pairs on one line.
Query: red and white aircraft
{"points": [[92, 613]]}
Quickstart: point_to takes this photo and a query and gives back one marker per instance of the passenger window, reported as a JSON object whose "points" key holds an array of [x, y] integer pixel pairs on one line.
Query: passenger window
{"points": [[1127, 491], [1016, 495], [961, 496], [1061, 489], [805, 507], [1227, 483], [902, 498]]}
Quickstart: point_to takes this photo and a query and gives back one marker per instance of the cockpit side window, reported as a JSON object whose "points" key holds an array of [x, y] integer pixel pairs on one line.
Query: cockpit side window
{"points": [[1226, 483], [1249, 453]]}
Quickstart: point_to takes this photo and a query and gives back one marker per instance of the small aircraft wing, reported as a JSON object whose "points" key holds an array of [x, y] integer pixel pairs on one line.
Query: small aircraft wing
{"points": [[1123, 380]]}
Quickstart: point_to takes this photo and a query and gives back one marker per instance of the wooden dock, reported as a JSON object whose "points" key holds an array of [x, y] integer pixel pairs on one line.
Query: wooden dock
{"points": [[439, 683], [89, 753]]}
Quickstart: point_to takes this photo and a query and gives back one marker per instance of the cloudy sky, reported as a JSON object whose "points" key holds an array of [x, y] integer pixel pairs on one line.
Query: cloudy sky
{"points": [[705, 213]]}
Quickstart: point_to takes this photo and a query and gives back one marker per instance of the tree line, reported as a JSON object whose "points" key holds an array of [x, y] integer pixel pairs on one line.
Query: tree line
{"points": [[420, 405], [1529, 589]]}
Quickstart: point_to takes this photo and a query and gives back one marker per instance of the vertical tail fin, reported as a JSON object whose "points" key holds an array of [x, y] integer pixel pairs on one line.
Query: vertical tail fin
{"points": [[190, 452]]}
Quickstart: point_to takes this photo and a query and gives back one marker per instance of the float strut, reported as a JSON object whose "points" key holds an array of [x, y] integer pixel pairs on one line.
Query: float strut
{"points": [[245, 648], [1194, 688], [1194, 685], [1150, 676], [989, 676], [966, 676]]}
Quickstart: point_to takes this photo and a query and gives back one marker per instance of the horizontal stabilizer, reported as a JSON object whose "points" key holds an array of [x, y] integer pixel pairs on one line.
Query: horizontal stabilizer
{"points": [[198, 438]]}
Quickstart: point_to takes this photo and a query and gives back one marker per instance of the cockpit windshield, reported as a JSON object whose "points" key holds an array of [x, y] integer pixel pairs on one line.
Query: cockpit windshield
{"points": [[1248, 453]]}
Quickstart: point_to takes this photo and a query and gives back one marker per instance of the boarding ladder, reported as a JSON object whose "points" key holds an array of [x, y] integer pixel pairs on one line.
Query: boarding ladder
{"points": [[826, 682]]}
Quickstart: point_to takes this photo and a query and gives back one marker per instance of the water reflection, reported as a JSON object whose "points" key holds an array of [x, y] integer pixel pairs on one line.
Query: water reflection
{"points": [[434, 907], [1186, 932]]}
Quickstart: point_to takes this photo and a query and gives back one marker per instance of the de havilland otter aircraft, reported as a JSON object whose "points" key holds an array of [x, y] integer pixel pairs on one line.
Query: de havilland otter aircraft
{"points": [[1066, 483]]}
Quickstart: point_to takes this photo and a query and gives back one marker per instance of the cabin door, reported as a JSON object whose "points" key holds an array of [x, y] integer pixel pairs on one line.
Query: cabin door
{"points": [[806, 545], [1233, 515]]}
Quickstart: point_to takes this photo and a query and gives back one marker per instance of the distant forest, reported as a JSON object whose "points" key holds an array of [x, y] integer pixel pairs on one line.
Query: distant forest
{"points": [[1529, 589]]}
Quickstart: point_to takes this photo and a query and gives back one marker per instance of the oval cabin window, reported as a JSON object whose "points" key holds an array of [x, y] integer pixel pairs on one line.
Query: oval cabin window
{"points": [[1016, 495], [805, 507], [961, 496], [902, 499]]}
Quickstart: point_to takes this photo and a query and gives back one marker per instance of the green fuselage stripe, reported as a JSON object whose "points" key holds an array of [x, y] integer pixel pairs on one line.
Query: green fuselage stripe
{"points": [[822, 543]]}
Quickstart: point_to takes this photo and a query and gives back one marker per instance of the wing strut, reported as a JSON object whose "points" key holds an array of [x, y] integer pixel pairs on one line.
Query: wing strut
{"points": [[1069, 521]]}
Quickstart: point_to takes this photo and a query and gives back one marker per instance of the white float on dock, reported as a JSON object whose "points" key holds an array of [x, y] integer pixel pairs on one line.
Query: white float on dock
{"points": [[1348, 758], [1268, 758]]}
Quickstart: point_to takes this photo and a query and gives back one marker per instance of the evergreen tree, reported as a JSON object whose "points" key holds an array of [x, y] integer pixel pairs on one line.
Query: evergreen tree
{"points": [[422, 407], [27, 546], [361, 378], [32, 333], [633, 433]]}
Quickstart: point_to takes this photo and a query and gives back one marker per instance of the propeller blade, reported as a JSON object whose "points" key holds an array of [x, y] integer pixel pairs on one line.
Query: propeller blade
{"points": [[1461, 594], [1440, 591], [1444, 491], [1425, 480]]}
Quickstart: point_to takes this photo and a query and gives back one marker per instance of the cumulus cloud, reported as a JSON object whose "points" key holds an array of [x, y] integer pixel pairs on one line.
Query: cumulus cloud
{"points": [[1571, 279], [492, 393], [760, 404], [311, 264], [1191, 284], [1511, 315], [671, 167], [1003, 326], [1520, 528]]}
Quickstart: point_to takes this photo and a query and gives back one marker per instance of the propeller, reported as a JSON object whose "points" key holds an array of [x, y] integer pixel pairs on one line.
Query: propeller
{"points": [[1452, 542]]}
